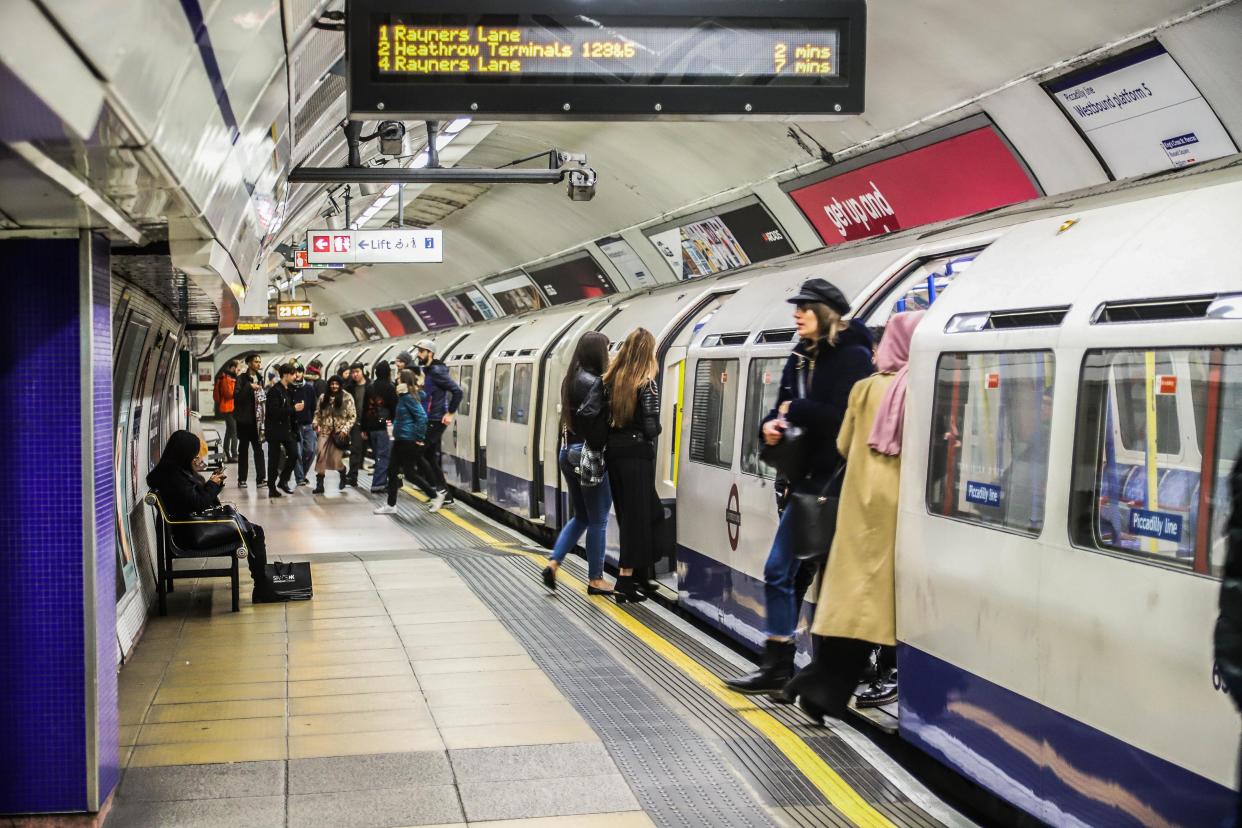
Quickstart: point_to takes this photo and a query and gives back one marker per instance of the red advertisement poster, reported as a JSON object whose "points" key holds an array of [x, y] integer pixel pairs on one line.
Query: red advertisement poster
{"points": [[956, 177]]}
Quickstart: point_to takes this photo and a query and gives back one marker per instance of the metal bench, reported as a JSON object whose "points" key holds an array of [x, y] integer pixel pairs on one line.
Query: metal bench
{"points": [[167, 550]]}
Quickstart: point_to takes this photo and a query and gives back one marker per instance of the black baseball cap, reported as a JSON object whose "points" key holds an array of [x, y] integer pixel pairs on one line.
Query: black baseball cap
{"points": [[822, 291]]}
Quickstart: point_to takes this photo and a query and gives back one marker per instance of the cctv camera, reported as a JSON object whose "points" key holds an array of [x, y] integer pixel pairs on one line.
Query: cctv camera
{"points": [[391, 137], [582, 184]]}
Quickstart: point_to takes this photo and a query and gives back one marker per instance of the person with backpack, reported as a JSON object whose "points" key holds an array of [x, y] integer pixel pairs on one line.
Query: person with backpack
{"points": [[409, 433], [443, 397], [378, 406], [584, 427], [222, 394], [830, 357]]}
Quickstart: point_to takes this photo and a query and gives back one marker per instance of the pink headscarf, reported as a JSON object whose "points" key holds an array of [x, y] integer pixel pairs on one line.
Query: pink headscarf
{"points": [[893, 357]]}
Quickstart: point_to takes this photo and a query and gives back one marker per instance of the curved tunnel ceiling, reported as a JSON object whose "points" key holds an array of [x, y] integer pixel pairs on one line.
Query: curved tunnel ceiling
{"points": [[927, 63]]}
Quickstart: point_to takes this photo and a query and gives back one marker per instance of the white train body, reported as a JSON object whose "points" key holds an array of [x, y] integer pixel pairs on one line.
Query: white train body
{"points": [[1057, 575]]}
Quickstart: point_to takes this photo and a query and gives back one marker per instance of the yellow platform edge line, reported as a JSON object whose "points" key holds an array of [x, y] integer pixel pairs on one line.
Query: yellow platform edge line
{"points": [[818, 772]]}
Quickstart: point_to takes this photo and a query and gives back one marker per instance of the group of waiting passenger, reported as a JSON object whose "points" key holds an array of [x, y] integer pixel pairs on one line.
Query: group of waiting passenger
{"points": [[310, 422], [847, 399]]}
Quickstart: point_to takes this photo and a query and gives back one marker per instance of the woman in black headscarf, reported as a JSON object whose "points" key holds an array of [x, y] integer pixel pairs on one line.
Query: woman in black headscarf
{"points": [[183, 492]]}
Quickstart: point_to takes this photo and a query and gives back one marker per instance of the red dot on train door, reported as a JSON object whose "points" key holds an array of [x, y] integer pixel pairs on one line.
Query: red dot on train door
{"points": [[993, 381], [1167, 384]]}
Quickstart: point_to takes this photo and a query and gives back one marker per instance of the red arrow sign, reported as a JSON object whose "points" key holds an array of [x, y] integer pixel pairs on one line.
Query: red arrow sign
{"points": [[321, 243]]}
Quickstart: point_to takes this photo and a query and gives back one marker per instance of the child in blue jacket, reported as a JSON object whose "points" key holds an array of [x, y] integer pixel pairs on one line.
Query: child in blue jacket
{"points": [[409, 433]]}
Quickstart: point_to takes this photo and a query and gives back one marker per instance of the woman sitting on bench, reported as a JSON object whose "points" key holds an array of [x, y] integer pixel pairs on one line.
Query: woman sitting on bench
{"points": [[184, 492]]}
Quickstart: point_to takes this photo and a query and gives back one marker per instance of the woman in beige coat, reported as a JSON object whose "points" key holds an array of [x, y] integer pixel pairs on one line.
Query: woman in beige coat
{"points": [[855, 609], [335, 414]]}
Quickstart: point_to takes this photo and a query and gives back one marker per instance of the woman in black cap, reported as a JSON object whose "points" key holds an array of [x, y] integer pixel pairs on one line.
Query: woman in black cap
{"points": [[830, 357], [183, 492]]}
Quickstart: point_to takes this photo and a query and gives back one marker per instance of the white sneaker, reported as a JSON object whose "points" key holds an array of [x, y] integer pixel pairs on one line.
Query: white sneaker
{"points": [[438, 501], [385, 510]]}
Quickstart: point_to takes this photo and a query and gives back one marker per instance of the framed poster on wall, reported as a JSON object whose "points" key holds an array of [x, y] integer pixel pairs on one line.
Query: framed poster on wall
{"points": [[573, 279], [127, 362]]}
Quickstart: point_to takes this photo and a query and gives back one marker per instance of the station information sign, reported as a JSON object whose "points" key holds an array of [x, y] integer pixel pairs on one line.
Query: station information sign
{"points": [[273, 325], [687, 59], [409, 246]]}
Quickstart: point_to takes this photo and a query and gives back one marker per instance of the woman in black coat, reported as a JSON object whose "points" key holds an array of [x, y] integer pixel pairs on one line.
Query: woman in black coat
{"points": [[184, 492], [634, 424], [830, 357]]}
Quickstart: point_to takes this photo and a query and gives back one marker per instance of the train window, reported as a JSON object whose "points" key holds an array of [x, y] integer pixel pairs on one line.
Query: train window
{"points": [[466, 381], [762, 387], [500, 391], [991, 419], [715, 412], [918, 286], [519, 409], [1157, 434]]}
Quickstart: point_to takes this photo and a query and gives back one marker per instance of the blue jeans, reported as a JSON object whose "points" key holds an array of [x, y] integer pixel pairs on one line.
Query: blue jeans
{"points": [[780, 575], [308, 442], [590, 516], [380, 447]]}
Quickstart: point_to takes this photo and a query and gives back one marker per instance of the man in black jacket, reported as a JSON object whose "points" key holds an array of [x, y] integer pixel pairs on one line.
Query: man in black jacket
{"points": [[247, 400], [281, 426], [357, 388], [1229, 624], [377, 411], [443, 398], [303, 390]]}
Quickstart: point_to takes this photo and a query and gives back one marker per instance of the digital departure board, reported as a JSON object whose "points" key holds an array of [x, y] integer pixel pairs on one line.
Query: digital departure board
{"points": [[637, 60]]}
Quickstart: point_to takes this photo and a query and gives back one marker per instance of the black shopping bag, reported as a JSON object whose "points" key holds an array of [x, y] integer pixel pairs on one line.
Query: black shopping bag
{"points": [[291, 580]]}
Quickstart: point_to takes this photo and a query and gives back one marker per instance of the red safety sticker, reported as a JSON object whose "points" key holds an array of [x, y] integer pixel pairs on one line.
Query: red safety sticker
{"points": [[1166, 384], [993, 381]]}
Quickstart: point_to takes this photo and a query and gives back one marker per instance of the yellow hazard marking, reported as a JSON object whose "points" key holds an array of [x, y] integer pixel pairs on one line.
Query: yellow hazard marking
{"points": [[818, 772]]}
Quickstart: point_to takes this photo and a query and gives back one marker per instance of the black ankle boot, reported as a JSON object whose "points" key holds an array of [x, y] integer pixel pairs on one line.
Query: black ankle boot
{"points": [[318, 485], [344, 479], [777, 669], [626, 589]]}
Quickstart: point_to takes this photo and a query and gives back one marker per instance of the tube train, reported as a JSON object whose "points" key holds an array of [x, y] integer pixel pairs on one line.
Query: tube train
{"points": [[1074, 410]]}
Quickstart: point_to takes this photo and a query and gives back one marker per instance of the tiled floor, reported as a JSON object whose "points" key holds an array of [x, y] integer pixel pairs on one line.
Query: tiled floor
{"points": [[394, 697]]}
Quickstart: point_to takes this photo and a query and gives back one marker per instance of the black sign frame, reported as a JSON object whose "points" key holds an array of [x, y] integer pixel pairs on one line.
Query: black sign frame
{"points": [[844, 95]]}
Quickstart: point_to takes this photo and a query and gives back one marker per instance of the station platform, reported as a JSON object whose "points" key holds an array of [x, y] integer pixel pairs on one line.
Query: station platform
{"points": [[433, 680]]}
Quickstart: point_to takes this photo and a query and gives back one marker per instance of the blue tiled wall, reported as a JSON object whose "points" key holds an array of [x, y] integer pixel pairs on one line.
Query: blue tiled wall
{"points": [[43, 700]]}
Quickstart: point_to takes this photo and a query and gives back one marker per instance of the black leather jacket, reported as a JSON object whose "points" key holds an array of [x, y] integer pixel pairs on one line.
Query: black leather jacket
{"points": [[646, 422], [588, 414], [1229, 624]]}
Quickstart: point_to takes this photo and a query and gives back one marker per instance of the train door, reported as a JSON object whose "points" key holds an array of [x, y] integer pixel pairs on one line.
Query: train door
{"points": [[544, 409], [488, 386], [673, 382]]}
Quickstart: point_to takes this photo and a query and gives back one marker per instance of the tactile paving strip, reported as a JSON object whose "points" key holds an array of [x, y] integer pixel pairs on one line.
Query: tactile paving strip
{"points": [[676, 774]]}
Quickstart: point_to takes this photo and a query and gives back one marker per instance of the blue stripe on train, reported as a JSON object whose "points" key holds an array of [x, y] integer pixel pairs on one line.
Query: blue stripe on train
{"points": [[1056, 768]]}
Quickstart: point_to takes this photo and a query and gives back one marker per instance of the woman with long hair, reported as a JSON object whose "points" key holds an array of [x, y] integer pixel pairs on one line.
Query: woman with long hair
{"points": [[634, 421], [184, 492], [830, 357], [584, 423], [334, 415], [856, 606]]}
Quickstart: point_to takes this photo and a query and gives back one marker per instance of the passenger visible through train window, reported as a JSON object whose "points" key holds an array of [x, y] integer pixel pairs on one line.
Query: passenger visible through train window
{"points": [[715, 412], [763, 385], [466, 381], [991, 420], [519, 408], [500, 392], [918, 286], [1156, 438]]}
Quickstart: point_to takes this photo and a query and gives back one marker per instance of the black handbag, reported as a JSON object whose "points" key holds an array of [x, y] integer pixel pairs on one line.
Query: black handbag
{"points": [[209, 529], [341, 440], [290, 580], [812, 510]]}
